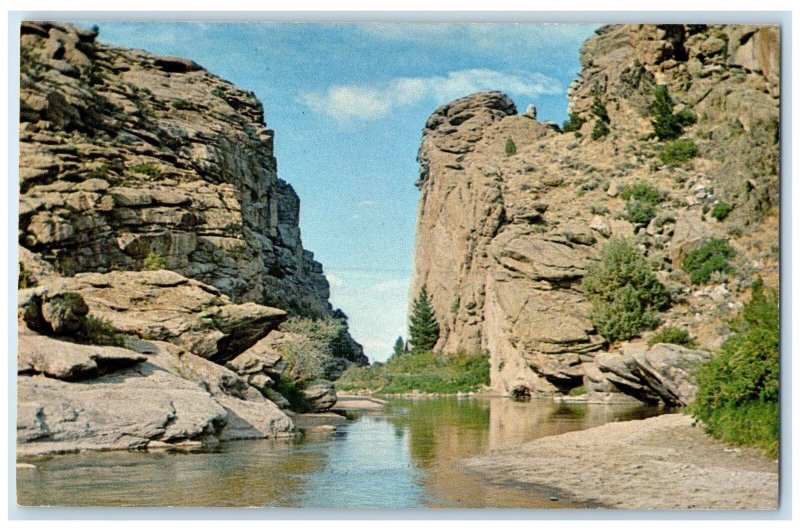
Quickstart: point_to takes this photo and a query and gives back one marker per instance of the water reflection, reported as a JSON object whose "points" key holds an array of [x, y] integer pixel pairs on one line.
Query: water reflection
{"points": [[406, 456]]}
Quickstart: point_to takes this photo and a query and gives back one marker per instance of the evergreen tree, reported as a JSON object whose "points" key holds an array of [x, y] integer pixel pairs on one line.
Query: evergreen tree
{"points": [[399, 347], [511, 147], [599, 110], [666, 125], [423, 328]]}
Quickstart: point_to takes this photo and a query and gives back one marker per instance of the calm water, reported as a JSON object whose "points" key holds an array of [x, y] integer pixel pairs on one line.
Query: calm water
{"points": [[403, 457]]}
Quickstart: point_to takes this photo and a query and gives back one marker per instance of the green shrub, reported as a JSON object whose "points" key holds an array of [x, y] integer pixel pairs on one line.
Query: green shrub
{"points": [[99, 172], [642, 191], [25, 279], [626, 296], [674, 336], [721, 210], [294, 394], [423, 371], [600, 130], [666, 125], [147, 168], [154, 262], [639, 212], [98, 331], [738, 390], [315, 351], [712, 255], [686, 117], [511, 147], [678, 151], [642, 202], [574, 123]]}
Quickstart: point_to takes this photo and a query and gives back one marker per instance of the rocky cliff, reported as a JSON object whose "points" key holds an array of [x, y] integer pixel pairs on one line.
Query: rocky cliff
{"points": [[151, 219], [505, 238]]}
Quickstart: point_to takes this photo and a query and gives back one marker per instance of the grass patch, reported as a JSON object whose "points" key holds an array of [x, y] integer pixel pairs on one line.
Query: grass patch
{"points": [[713, 255], [426, 372], [577, 391], [674, 336]]}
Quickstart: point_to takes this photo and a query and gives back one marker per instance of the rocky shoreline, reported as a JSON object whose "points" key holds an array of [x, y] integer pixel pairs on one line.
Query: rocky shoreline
{"points": [[663, 462]]}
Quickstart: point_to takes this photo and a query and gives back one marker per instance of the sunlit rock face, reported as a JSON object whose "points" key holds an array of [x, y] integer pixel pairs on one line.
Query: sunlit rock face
{"points": [[504, 239]]}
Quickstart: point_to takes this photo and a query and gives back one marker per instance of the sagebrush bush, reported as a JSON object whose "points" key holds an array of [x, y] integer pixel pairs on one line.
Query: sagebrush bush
{"points": [[674, 336], [625, 294], [642, 202], [678, 151], [738, 390], [714, 254]]}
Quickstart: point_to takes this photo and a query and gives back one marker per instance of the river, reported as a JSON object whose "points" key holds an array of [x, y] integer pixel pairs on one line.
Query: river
{"points": [[405, 456]]}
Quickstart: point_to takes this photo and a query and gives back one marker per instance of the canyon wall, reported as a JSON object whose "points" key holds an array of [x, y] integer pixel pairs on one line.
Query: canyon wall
{"points": [[504, 239]]}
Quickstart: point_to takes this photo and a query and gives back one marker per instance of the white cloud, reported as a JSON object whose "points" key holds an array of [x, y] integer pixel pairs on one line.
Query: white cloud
{"points": [[334, 280], [371, 102]]}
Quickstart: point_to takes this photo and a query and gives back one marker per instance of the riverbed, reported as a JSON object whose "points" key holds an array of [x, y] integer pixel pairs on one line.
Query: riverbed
{"points": [[407, 455]]}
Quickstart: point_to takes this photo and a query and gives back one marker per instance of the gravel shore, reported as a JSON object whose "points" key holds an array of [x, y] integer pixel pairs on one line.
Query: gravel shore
{"points": [[659, 463]]}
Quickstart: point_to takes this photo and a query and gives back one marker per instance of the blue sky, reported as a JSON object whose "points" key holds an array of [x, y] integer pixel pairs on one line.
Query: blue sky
{"points": [[348, 103]]}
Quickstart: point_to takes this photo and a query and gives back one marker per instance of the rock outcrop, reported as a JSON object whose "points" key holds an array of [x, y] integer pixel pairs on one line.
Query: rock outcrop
{"points": [[158, 250], [125, 155], [504, 239]]}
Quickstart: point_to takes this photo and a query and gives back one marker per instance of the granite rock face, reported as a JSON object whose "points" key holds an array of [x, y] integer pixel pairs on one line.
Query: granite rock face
{"points": [[150, 207], [125, 154], [504, 240]]}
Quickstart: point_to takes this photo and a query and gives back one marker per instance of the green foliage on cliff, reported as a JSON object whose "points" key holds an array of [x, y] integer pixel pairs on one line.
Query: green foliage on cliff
{"points": [[713, 255], [511, 147], [25, 278], [98, 331], [308, 351], [423, 328], [721, 210], [738, 393], [423, 371], [642, 202], [147, 168], [574, 123], [678, 151], [625, 294], [154, 262], [674, 336]]}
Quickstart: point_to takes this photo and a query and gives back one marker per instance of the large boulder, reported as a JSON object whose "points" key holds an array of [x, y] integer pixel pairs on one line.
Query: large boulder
{"points": [[163, 305], [70, 361], [179, 397], [320, 394], [662, 373]]}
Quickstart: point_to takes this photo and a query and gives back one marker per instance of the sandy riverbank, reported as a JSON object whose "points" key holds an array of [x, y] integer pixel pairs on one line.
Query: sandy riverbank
{"points": [[659, 463]]}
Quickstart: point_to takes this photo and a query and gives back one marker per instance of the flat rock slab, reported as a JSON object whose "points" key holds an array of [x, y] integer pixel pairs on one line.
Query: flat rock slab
{"points": [[70, 361], [662, 462]]}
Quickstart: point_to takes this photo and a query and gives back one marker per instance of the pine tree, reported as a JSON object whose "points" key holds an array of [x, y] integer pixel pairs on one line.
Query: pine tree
{"points": [[511, 147], [423, 328], [665, 124], [399, 347]]}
